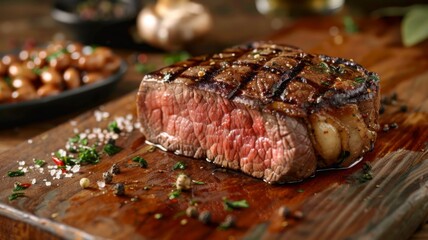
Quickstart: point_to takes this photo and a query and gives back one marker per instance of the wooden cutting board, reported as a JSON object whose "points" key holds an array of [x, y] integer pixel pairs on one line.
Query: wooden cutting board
{"points": [[334, 204]]}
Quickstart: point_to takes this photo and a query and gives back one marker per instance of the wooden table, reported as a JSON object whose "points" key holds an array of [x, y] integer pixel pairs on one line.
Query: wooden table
{"points": [[20, 21]]}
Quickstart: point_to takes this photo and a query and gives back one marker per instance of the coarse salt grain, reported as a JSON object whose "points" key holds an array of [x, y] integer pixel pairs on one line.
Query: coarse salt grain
{"points": [[25, 170], [48, 184], [101, 184], [30, 141], [21, 163], [33, 181], [75, 169], [73, 123], [68, 175]]}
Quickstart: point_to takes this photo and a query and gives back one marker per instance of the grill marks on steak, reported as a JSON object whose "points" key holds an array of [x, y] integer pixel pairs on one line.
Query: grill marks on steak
{"points": [[266, 109]]}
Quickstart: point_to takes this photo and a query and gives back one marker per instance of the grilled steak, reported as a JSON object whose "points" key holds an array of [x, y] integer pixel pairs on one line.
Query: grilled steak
{"points": [[269, 110]]}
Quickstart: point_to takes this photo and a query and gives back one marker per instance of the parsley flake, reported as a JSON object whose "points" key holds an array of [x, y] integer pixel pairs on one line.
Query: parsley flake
{"points": [[143, 163], [174, 194], [16, 173], [179, 165], [111, 148], [230, 205], [39, 162], [113, 127], [16, 195]]}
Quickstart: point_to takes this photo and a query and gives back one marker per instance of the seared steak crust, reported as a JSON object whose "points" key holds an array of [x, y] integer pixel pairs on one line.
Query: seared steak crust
{"points": [[269, 110]]}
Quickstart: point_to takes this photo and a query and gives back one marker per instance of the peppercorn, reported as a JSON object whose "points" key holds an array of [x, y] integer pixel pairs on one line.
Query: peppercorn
{"points": [[385, 100], [205, 217], [284, 212], [115, 169], [393, 125], [403, 108], [119, 189], [192, 212], [381, 109], [385, 128], [108, 177]]}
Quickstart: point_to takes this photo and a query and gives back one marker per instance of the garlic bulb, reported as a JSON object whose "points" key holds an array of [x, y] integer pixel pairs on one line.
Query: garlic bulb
{"points": [[171, 24]]}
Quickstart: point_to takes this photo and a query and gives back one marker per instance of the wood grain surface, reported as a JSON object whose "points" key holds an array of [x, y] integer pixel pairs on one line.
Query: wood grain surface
{"points": [[335, 205]]}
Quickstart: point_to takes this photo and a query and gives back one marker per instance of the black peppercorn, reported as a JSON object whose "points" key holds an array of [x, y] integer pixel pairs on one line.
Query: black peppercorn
{"points": [[393, 125], [108, 177], [115, 169], [205, 217], [381, 109], [394, 96], [284, 212], [403, 108], [119, 189], [192, 212], [385, 128]]}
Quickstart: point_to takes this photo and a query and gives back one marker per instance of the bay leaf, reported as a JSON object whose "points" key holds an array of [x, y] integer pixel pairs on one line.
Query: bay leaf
{"points": [[414, 27]]}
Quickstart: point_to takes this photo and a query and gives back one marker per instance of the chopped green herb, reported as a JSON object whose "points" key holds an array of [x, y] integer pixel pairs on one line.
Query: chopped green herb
{"points": [[359, 79], [179, 165], [16, 173], [113, 127], [349, 24], [374, 77], [74, 139], [111, 149], [88, 155], [84, 141], [16, 195], [143, 163], [67, 160], [158, 216], [39, 162], [324, 67], [230, 205], [174, 194], [300, 190], [176, 57], [198, 182], [366, 173]]}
